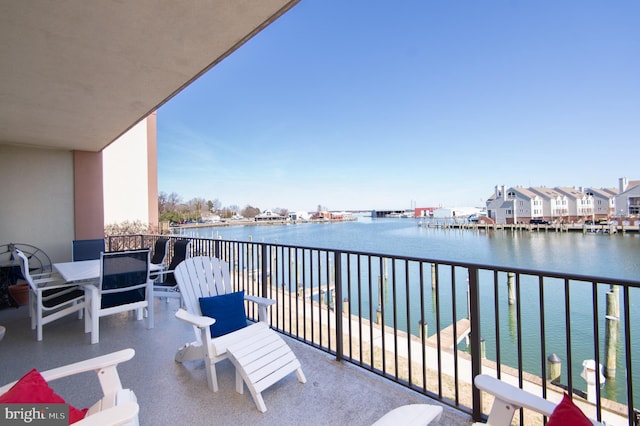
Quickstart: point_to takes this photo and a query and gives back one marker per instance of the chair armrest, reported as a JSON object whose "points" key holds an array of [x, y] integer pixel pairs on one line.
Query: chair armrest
{"points": [[506, 393], [509, 398], [98, 364], [53, 275], [259, 300], [52, 284], [199, 321], [114, 416], [263, 303], [161, 271]]}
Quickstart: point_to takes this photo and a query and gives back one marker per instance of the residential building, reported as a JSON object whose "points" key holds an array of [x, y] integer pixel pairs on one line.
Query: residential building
{"points": [[504, 207], [603, 202], [268, 215], [555, 205], [627, 202], [562, 204], [424, 211], [579, 203]]}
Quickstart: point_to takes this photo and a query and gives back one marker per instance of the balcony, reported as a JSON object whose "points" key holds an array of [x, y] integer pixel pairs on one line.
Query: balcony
{"points": [[377, 331], [174, 394]]}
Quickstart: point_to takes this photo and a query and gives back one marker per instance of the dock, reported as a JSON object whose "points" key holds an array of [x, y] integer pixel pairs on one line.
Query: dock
{"points": [[560, 227], [463, 328]]}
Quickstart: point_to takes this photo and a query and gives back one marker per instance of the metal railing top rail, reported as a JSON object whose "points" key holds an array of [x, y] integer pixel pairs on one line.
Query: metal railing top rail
{"points": [[468, 265]]}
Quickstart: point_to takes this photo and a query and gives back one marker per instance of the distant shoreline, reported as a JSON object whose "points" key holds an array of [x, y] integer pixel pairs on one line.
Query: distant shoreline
{"points": [[249, 222]]}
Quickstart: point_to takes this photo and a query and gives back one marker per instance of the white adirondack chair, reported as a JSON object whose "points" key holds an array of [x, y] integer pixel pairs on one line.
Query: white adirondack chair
{"points": [[118, 406], [260, 355], [509, 399]]}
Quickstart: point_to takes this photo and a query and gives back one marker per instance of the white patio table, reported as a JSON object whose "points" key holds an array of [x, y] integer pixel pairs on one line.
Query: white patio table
{"points": [[87, 270]]}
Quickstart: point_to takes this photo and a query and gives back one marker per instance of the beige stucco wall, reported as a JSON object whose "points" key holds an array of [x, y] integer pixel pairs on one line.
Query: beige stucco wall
{"points": [[36, 199], [126, 177]]}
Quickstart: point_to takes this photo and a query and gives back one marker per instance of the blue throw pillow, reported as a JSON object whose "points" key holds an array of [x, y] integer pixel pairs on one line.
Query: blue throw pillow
{"points": [[228, 311]]}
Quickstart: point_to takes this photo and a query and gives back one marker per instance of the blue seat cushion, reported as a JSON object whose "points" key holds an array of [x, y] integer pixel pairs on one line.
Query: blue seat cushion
{"points": [[228, 311]]}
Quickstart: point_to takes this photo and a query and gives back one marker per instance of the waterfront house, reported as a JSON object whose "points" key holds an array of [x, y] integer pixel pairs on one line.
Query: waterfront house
{"points": [[562, 204], [603, 202], [579, 203], [627, 202], [554, 203], [267, 216], [514, 205], [424, 211], [299, 216]]}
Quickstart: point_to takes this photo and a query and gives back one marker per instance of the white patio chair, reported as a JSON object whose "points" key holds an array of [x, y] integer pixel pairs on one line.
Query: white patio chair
{"points": [[508, 399], [160, 250], [51, 298], [260, 355], [124, 286], [87, 249], [165, 284], [117, 406]]}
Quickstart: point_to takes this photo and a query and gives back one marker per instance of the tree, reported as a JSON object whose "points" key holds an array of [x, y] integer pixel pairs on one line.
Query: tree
{"points": [[168, 203], [195, 207], [171, 217], [250, 211]]}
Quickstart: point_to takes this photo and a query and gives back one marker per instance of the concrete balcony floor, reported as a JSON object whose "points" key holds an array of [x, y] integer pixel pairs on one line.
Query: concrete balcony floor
{"points": [[170, 393]]}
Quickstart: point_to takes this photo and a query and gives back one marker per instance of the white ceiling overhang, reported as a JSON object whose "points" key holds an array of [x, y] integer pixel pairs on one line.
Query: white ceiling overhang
{"points": [[77, 74]]}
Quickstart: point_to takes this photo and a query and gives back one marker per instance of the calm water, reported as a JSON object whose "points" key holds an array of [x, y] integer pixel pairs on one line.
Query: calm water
{"points": [[615, 256]]}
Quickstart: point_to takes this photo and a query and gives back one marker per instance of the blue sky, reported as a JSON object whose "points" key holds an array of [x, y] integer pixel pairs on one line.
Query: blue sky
{"points": [[370, 104]]}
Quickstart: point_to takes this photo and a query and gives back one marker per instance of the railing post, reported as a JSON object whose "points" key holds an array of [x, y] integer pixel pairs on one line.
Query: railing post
{"points": [[475, 340], [216, 249], [264, 269], [337, 261]]}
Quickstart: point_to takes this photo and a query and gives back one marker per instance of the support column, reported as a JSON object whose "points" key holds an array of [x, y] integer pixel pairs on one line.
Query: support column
{"points": [[88, 195]]}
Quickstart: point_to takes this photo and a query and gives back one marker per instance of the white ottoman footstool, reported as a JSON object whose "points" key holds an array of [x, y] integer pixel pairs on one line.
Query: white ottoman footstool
{"points": [[411, 415]]}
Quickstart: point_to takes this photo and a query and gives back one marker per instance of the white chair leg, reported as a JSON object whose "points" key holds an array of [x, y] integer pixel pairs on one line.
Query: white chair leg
{"points": [[301, 376], [38, 317], [87, 309], [239, 382], [150, 305], [95, 316], [212, 378]]}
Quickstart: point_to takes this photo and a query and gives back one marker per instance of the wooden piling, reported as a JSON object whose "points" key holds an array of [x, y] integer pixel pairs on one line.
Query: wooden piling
{"points": [[332, 298], [611, 333], [423, 329], [433, 276], [554, 368], [511, 291]]}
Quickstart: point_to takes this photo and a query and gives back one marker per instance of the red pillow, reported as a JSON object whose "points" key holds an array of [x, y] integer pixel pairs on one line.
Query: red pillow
{"points": [[33, 388], [567, 413]]}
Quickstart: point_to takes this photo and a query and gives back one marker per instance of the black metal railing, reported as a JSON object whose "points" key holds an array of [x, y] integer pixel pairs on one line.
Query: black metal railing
{"points": [[432, 325]]}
